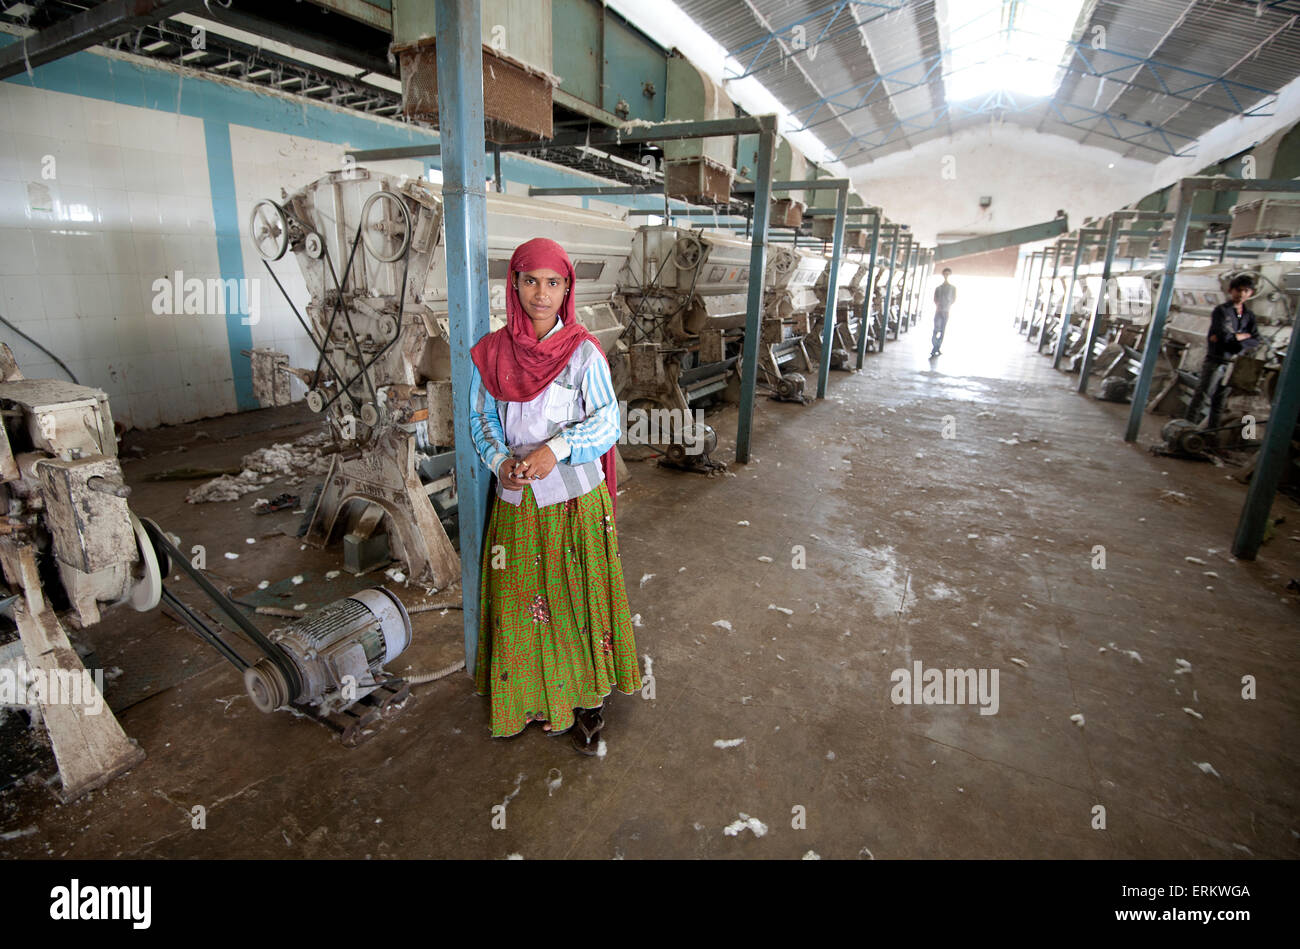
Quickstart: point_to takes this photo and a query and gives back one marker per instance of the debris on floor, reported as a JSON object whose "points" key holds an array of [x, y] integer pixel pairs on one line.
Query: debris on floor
{"points": [[744, 821], [292, 460]]}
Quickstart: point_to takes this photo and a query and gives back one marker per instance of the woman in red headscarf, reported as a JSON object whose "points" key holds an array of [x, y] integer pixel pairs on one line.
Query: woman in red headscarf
{"points": [[555, 635]]}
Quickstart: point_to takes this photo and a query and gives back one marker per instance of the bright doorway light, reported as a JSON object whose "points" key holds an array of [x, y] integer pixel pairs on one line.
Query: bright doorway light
{"points": [[1012, 46]]}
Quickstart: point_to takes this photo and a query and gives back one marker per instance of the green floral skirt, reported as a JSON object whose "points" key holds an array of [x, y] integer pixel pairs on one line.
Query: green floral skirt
{"points": [[555, 632]]}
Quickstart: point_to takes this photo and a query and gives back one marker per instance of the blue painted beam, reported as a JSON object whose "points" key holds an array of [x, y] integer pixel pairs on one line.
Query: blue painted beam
{"points": [[1063, 333], [864, 318], [754, 298], [986, 242], [764, 42], [1051, 293], [1022, 288], [464, 173], [1038, 294], [1274, 456], [886, 283], [1094, 321], [832, 292]]}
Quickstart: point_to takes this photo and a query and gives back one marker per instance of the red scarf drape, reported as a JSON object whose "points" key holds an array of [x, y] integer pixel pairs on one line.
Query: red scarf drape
{"points": [[514, 364]]}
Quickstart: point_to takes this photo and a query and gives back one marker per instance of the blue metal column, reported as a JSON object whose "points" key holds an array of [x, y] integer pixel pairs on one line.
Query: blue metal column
{"points": [[1094, 323], [1038, 293], [754, 302], [923, 280], [913, 297], [1064, 335], [464, 193], [864, 319], [832, 305], [1272, 459], [889, 280], [1026, 283], [905, 288], [904, 265], [1156, 331], [1051, 292]]}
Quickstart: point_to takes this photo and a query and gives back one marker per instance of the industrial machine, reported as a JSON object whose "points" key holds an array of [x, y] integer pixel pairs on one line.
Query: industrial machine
{"points": [[849, 296], [69, 545], [369, 248], [70, 548], [790, 308]]}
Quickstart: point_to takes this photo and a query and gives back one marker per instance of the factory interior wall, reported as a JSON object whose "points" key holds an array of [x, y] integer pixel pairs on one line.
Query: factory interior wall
{"points": [[938, 184], [154, 170]]}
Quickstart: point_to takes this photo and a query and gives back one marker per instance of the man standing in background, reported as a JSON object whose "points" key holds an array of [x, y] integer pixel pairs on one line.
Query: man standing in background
{"points": [[1232, 331], [945, 295]]}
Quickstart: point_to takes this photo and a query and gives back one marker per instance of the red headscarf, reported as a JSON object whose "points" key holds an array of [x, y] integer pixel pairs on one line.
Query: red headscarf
{"points": [[514, 364]]}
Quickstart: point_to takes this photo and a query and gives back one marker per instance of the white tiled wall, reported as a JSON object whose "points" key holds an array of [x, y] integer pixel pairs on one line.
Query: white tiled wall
{"points": [[128, 202]]}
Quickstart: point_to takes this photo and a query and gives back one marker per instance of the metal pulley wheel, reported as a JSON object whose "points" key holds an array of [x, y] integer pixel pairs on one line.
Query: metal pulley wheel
{"points": [[688, 252], [783, 264], [313, 245], [346, 406], [1182, 435], [387, 237], [147, 576], [387, 328], [316, 400], [268, 225], [370, 414]]}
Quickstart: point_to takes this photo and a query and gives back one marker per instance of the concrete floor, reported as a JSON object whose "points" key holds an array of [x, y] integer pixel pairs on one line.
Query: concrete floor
{"points": [[966, 552]]}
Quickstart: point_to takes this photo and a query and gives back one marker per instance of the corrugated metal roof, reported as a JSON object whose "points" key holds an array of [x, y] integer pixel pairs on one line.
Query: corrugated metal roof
{"points": [[873, 84]]}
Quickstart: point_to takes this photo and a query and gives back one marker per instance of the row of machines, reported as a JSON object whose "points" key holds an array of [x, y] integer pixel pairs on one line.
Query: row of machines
{"points": [[1125, 313], [666, 302]]}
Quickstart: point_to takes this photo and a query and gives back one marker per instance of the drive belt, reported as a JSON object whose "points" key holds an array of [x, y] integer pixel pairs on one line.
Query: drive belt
{"points": [[246, 626]]}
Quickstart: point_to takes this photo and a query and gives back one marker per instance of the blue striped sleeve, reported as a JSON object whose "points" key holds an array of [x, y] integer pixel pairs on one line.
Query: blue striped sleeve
{"points": [[485, 424], [599, 431]]}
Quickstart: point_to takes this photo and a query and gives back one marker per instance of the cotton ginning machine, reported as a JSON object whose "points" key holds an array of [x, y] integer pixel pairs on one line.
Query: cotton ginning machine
{"points": [[790, 305], [70, 545], [849, 297], [685, 293], [370, 250]]}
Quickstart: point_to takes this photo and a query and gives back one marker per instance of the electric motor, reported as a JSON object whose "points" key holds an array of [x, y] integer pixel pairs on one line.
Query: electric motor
{"points": [[1182, 435], [790, 387], [339, 651]]}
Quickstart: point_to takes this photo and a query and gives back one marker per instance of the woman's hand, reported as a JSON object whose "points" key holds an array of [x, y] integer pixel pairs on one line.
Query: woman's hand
{"points": [[506, 474], [537, 465]]}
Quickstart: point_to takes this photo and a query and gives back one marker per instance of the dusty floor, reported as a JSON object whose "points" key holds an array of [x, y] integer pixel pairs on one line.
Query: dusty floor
{"points": [[962, 552]]}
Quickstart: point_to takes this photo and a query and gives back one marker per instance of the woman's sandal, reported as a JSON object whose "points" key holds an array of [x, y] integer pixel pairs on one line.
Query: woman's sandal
{"points": [[587, 723]]}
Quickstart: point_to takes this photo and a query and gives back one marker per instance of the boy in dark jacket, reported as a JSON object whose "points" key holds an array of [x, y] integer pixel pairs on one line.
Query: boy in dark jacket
{"points": [[1232, 331]]}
